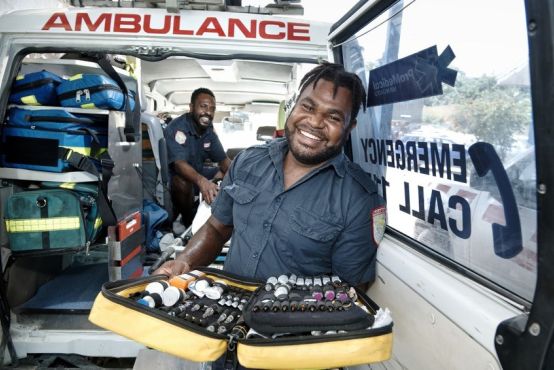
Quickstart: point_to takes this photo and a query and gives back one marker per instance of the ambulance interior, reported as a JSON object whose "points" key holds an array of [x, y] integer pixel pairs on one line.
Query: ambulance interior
{"points": [[251, 97], [248, 93]]}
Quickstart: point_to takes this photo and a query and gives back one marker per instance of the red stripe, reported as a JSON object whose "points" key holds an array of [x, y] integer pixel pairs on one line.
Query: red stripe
{"points": [[527, 259], [138, 272], [130, 256], [494, 214], [466, 194]]}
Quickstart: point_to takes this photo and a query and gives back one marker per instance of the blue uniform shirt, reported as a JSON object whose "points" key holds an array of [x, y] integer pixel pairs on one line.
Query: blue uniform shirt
{"points": [[185, 143], [320, 225]]}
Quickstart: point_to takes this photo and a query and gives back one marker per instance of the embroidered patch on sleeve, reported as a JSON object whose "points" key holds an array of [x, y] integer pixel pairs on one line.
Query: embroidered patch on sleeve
{"points": [[180, 137], [378, 223]]}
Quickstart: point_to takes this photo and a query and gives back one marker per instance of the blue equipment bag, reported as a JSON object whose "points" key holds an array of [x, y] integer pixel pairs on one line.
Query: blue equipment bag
{"points": [[153, 216], [92, 91], [43, 139], [37, 88]]}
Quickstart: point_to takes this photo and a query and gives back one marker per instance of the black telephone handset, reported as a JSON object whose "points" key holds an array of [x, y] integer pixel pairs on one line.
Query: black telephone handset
{"points": [[507, 239]]}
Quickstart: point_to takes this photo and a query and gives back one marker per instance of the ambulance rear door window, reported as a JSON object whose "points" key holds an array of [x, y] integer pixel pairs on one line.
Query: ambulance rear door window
{"points": [[448, 134]]}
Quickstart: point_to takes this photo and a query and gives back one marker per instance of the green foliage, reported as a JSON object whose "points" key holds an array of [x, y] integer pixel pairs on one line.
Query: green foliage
{"points": [[492, 112]]}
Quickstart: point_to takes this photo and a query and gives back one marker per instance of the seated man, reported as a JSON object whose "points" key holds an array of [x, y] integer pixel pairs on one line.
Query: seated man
{"points": [[190, 141]]}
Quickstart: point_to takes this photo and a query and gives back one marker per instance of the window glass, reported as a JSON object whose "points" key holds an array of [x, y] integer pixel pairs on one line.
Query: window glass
{"points": [[456, 163]]}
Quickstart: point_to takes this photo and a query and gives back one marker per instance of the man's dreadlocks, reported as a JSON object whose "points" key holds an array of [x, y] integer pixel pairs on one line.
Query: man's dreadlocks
{"points": [[336, 74]]}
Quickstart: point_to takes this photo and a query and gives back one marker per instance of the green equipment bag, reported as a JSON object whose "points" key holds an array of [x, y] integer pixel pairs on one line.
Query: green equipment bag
{"points": [[88, 197], [40, 220], [60, 217]]}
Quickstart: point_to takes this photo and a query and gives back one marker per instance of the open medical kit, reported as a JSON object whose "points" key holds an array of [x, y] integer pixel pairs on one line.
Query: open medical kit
{"points": [[283, 323]]}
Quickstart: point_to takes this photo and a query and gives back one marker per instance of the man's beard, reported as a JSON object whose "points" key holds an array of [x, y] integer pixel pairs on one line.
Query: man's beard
{"points": [[199, 125], [308, 158]]}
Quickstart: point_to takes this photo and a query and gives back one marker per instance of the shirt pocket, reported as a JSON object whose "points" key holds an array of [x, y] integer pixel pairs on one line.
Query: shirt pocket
{"points": [[243, 196], [311, 240], [313, 226]]}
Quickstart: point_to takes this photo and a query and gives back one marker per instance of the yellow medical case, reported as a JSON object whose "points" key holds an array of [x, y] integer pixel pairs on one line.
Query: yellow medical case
{"points": [[117, 309]]}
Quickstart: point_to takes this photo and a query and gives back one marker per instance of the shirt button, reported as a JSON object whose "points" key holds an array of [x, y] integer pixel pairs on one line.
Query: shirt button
{"points": [[266, 225], [255, 255], [277, 200]]}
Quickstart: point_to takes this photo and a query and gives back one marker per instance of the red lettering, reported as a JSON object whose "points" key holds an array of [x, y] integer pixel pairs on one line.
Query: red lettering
{"points": [[215, 27], [177, 27], [294, 29], [148, 27], [266, 35], [127, 23], [84, 18], [57, 20], [237, 23], [132, 23]]}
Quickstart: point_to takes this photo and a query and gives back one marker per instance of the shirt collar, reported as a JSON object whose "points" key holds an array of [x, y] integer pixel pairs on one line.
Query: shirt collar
{"points": [[278, 149]]}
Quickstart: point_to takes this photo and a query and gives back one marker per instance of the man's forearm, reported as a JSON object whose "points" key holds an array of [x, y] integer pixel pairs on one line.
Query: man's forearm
{"points": [[187, 172], [206, 244], [224, 166]]}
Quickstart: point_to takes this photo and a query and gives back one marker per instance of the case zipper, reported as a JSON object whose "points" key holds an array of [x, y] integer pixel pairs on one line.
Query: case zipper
{"points": [[75, 131], [231, 360], [354, 334], [32, 85], [87, 91], [54, 119], [366, 333]]}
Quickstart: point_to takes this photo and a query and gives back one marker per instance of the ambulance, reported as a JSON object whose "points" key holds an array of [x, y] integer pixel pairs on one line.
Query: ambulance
{"points": [[464, 267]]}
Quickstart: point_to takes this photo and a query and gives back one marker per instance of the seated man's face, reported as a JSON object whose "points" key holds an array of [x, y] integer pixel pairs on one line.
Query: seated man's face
{"points": [[203, 110]]}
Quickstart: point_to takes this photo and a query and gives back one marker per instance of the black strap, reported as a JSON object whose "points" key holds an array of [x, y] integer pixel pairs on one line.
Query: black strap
{"points": [[42, 203], [5, 321], [83, 163], [32, 85], [82, 121], [95, 145], [130, 132]]}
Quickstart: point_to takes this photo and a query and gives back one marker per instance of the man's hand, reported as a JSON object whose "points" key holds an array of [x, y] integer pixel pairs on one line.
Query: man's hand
{"points": [[208, 189], [173, 268]]}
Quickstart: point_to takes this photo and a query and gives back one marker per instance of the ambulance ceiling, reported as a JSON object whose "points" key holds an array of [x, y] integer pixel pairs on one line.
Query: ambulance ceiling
{"points": [[233, 82]]}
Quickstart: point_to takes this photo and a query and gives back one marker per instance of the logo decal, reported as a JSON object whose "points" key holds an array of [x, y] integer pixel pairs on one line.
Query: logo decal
{"points": [[378, 223], [207, 145], [180, 137]]}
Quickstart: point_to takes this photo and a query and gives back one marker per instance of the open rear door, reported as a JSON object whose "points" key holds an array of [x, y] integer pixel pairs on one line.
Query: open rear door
{"points": [[449, 137]]}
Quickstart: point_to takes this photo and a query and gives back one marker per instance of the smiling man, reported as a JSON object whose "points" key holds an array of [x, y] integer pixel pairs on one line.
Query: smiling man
{"points": [[190, 141], [298, 204]]}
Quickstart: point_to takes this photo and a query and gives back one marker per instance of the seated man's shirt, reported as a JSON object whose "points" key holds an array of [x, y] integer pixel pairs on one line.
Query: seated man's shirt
{"points": [[185, 143], [321, 225]]}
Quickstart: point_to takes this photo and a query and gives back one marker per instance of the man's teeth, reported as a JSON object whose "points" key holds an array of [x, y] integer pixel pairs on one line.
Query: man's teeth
{"points": [[310, 136]]}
